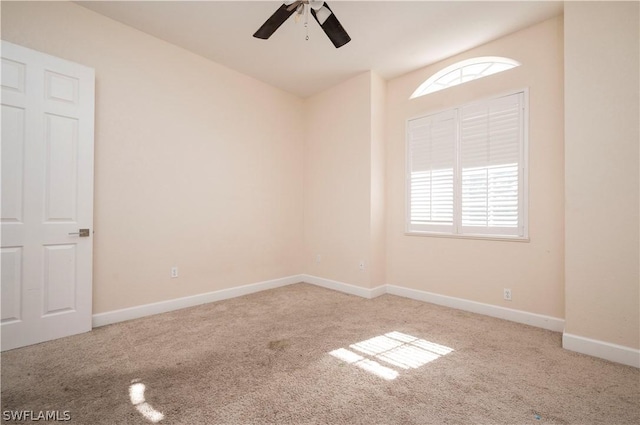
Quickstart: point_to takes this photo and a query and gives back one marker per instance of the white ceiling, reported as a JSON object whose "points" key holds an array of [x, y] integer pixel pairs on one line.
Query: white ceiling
{"points": [[389, 37]]}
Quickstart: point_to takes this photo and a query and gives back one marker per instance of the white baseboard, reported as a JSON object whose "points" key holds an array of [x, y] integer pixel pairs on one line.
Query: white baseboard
{"points": [[378, 290], [102, 319], [533, 319], [347, 288], [604, 350], [541, 321]]}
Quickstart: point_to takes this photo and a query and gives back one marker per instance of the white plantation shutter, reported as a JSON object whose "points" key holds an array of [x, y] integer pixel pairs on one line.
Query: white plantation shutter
{"points": [[490, 160], [431, 172], [466, 170]]}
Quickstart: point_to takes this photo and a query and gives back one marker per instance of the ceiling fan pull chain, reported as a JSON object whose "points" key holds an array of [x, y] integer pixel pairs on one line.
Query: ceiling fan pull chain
{"points": [[306, 22]]}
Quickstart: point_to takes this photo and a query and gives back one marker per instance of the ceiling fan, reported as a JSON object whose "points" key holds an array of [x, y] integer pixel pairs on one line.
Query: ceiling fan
{"points": [[320, 11]]}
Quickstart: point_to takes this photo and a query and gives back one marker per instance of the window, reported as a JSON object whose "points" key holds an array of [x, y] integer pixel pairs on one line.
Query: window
{"points": [[466, 170], [461, 72]]}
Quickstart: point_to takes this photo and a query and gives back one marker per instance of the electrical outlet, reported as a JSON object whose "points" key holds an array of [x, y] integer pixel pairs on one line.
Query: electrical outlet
{"points": [[361, 265], [318, 258], [174, 272], [507, 294]]}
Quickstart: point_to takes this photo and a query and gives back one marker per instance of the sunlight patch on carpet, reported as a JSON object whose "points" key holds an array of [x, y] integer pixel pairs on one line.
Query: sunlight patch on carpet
{"points": [[136, 394], [369, 365], [395, 349]]}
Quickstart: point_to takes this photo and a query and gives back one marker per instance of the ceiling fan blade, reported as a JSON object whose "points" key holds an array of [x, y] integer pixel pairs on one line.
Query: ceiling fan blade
{"points": [[331, 26], [273, 23]]}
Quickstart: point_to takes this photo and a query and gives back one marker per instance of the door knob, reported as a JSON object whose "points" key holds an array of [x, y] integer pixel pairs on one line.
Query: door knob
{"points": [[83, 233]]}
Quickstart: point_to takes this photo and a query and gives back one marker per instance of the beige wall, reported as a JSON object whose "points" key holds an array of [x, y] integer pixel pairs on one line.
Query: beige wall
{"points": [[237, 182], [478, 270], [378, 167], [196, 165], [337, 182], [344, 182], [601, 167]]}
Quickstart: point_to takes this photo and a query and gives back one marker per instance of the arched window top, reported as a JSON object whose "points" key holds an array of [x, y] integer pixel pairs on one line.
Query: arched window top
{"points": [[461, 72]]}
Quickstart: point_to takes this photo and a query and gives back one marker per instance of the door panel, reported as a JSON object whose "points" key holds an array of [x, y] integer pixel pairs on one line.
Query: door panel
{"points": [[11, 284], [12, 163], [62, 165], [13, 75], [59, 278], [47, 196], [62, 88]]}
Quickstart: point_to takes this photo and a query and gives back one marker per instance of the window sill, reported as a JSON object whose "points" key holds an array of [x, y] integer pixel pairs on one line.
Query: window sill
{"points": [[505, 238]]}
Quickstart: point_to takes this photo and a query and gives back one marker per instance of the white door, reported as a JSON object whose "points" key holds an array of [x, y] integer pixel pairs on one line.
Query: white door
{"points": [[47, 197]]}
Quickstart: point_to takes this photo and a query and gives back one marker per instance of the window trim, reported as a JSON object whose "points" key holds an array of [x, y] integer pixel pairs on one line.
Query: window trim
{"points": [[425, 88], [525, 175]]}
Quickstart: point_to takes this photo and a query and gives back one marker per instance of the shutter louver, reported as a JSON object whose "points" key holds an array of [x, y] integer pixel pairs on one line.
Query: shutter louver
{"points": [[490, 159], [466, 170], [431, 176]]}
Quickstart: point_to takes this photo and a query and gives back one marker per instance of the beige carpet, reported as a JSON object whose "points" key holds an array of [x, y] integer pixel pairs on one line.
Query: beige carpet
{"points": [[303, 354]]}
